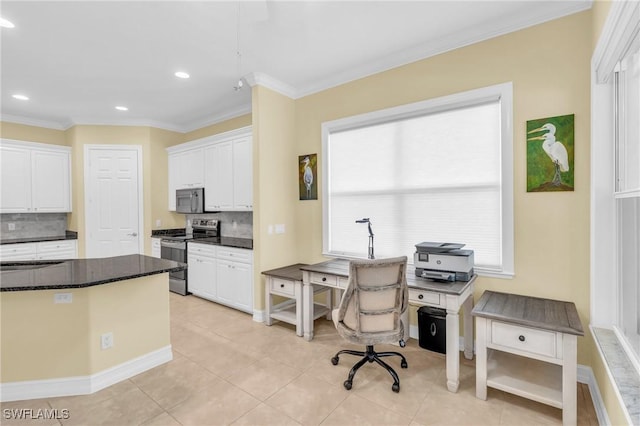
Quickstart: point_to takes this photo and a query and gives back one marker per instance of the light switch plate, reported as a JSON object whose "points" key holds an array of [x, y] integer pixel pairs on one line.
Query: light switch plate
{"points": [[63, 298]]}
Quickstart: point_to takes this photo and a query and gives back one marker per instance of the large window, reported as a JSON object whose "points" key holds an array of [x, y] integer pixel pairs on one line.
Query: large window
{"points": [[627, 194], [439, 170]]}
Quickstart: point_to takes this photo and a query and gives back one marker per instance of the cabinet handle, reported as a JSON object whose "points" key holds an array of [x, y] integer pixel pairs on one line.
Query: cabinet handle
{"points": [[281, 285], [324, 278], [420, 296], [521, 338]]}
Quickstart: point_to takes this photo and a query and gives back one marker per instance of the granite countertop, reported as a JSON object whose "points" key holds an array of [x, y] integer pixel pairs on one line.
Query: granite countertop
{"points": [[157, 233], [245, 243], [80, 273], [70, 235]]}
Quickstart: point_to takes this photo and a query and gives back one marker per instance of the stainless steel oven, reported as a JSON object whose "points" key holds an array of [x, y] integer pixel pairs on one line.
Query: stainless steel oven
{"points": [[175, 248]]}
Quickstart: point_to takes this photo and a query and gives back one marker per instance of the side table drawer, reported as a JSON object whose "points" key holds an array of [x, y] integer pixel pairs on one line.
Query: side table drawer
{"points": [[282, 287], [317, 278], [526, 339], [422, 296]]}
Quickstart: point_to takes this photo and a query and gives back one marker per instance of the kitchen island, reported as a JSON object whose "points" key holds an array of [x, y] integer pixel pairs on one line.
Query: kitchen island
{"points": [[77, 326]]}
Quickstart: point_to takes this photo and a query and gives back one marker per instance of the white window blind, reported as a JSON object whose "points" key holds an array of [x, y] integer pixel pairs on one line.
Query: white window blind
{"points": [[433, 174]]}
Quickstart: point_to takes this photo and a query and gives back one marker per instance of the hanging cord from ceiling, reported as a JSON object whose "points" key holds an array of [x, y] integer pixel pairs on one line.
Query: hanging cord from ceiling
{"points": [[238, 85]]}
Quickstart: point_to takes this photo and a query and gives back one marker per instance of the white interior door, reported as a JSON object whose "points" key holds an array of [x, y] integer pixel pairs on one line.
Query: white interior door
{"points": [[113, 200]]}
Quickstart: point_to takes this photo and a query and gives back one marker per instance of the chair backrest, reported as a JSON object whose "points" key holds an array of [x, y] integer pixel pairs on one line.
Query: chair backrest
{"points": [[375, 297]]}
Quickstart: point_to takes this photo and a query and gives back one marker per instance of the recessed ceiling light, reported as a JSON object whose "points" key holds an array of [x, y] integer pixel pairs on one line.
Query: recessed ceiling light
{"points": [[181, 74], [21, 97], [5, 23], [122, 108]]}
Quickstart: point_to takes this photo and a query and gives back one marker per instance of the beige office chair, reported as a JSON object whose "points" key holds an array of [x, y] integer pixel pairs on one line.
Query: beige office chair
{"points": [[370, 312]]}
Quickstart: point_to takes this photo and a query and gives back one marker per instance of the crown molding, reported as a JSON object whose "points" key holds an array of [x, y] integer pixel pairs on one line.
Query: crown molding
{"points": [[28, 121], [452, 42], [265, 80], [215, 119]]}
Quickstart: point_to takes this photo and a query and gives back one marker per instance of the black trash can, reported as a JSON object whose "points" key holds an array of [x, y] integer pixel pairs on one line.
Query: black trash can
{"points": [[432, 329]]}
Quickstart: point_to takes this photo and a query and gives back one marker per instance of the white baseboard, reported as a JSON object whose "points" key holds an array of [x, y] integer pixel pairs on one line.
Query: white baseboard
{"points": [[586, 376], [83, 385], [259, 316]]}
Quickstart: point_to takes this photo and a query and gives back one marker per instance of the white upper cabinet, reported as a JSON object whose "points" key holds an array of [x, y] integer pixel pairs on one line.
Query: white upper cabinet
{"points": [[222, 164], [36, 178], [186, 170], [218, 177], [243, 174]]}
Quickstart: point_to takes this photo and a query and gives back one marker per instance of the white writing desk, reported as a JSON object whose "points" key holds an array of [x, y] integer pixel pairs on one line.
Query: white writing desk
{"points": [[422, 292]]}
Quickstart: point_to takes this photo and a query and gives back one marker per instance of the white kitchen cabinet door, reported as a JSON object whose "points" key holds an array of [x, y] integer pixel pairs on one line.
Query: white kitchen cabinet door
{"points": [[243, 174], [15, 186], [51, 181], [156, 249], [218, 186], [201, 275], [173, 180], [226, 283], [191, 169], [243, 278]]}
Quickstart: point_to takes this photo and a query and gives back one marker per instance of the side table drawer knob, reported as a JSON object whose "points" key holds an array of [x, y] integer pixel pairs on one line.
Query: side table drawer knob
{"points": [[324, 278], [281, 285], [521, 338], [421, 296]]}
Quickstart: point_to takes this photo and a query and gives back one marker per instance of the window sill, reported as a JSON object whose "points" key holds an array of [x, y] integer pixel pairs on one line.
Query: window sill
{"points": [[623, 375]]}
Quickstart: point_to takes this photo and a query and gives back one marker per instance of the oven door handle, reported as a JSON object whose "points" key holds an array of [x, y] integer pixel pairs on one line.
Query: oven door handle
{"points": [[173, 244]]}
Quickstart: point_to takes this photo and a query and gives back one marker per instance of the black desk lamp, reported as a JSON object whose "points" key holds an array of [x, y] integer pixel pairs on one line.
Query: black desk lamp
{"points": [[367, 221]]}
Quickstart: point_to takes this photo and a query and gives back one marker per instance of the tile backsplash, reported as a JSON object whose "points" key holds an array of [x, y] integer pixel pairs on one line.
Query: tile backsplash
{"points": [[32, 225], [232, 224]]}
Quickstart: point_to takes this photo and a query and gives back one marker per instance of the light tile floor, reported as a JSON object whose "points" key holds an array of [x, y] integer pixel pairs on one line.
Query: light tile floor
{"points": [[228, 369]]}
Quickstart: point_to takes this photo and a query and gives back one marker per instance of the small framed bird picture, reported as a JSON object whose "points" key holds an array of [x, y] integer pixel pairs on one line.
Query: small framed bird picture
{"points": [[307, 176], [550, 148]]}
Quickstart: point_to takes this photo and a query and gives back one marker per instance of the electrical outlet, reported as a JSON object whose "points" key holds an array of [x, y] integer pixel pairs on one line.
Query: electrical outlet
{"points": [[280, 228], [63, 298], [106, 340], [11, 226], [158, 222]]}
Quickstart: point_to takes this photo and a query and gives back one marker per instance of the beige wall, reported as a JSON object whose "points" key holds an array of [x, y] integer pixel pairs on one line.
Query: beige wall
{"points": [[42, 340], [549, 66], [23, 132]]}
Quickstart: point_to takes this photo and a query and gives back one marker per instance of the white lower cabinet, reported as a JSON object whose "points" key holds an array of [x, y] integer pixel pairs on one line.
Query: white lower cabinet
{"points": [[221, 274], [47, 250], [156, 250]]}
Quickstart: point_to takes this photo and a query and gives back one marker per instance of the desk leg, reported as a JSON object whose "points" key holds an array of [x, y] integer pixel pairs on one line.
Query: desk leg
{"points": [[569, 379], [467, 306], [481, 358], [453, 351], [299, 309], [267, 302], [307, 310]]}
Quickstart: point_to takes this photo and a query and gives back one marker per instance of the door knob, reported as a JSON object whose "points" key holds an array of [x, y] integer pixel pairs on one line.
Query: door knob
{"points": [[135, 234]]}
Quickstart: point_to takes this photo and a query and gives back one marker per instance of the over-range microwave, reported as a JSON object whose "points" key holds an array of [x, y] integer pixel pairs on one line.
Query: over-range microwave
{"points": [[190, 200]]}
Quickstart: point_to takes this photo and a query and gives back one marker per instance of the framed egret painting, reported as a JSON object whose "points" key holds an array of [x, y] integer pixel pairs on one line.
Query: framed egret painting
{"points": [[550, 148], [307, 176]]}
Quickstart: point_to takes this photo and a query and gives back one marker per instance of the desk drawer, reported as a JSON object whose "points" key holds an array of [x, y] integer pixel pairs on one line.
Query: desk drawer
{"points": [[532, 340], [422, 296], [324, 279], [282, 287]]}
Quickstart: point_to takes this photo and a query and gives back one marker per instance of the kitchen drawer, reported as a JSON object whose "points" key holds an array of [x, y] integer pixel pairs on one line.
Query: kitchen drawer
{"points": [[532, 340], [201, 249], [422, 296], [324, 279], [235, 255], [50, 246], [19, 249], [282, 287]]}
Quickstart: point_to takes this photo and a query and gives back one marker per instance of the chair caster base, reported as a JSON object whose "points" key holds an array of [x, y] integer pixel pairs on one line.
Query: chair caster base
{"points": [[395, 387], [403, 364], [335, 360], [347, 384]]}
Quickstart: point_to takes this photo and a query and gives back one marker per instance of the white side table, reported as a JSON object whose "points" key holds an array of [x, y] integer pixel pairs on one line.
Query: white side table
{"points": [[528, 346]]}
